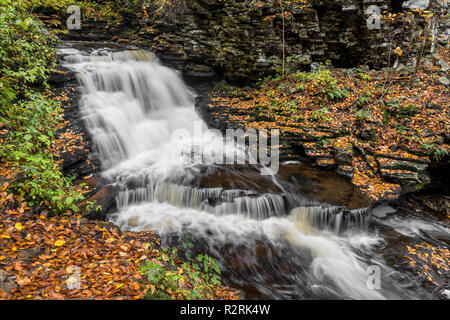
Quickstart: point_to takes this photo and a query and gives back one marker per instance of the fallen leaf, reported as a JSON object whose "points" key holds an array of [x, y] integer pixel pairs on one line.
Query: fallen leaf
{"points": [[59, 243], [18, 226]]}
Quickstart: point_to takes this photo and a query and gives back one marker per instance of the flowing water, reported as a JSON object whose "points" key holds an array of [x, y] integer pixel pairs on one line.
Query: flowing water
{"points": [[271, 240]]}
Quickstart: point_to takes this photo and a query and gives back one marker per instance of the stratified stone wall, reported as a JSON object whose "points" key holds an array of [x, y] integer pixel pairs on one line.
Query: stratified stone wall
{"points": [[240, 39]]}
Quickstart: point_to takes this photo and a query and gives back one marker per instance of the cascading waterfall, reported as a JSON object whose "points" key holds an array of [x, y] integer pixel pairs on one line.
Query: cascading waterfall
{"points": [[132, 104]]}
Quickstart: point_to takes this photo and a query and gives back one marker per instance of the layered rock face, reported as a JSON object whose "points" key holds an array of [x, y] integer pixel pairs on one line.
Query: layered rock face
{"points": [[242, 39]]}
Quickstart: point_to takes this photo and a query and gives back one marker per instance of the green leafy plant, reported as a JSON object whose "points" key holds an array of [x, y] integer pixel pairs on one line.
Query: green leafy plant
{"points": [[27, 147], [321, 83], [167, 274], [434, 150], [407, 111], [320, 114], [364, 99], [27, 55], [362, 114]]}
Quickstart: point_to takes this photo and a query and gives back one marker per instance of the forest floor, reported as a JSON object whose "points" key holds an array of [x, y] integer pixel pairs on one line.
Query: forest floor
{"points": [[43, 256], [371, 126], [347, 121], [48, 248]]}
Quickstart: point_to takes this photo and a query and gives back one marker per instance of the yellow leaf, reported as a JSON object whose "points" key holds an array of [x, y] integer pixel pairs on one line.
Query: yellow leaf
{"points": [[119, 286], [59, 243], [18, 226], [100, 229], [398, 51]]}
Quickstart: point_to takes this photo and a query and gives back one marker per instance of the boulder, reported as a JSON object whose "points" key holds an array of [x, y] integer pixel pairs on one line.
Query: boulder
{"points": [[382, 211]]}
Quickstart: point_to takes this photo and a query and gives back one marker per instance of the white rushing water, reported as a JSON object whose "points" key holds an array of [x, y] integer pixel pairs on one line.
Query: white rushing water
{"points": [[132, 104]]}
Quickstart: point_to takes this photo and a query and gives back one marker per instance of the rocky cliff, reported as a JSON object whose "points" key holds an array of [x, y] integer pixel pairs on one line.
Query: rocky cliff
{"points": [[242, 39]]}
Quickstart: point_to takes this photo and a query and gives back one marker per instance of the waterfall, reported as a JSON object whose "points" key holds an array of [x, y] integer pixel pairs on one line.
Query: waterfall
{"points": [[132, 105], [332, 218]]}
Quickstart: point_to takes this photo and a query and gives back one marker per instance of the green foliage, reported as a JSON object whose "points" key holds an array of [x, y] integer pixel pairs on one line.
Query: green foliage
{"points": [[386, 117], [269, 78], [435, 150], [91, 204], [164, 274], [27, 55], [33, 125], [363, 114], [393, 103], [129, 4], [364, 99], [363, 76], [322, 83], [320, 114], [59, 6], [26, 52], [407, 111]]}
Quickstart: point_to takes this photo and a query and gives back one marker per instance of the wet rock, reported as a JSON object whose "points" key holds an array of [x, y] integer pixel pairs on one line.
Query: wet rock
{"points": [[367, 134], [382, 211], [447, 138], [344, 155], [405, 177], [234, 38], [315, 66], [61, 76], [75, 163], [402, 165], [199, 70], [445, 295], [345, 171], [416, 4], [6, 282], [128, 17], [100, 204], [133, 222]]}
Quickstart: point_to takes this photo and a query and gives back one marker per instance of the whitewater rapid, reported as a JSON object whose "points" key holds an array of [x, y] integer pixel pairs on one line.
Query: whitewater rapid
{"points": [[132, 105]]}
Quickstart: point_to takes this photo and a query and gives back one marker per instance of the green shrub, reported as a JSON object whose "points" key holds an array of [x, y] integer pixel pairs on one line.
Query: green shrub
{"points": [[434, 150], [164, 275], [322, 83], [363, 114], [33, 124], [27, 54], [364, 99]]}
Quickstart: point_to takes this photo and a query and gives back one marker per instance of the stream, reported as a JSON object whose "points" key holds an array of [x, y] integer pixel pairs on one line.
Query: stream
{"points": [[296, 234]]}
